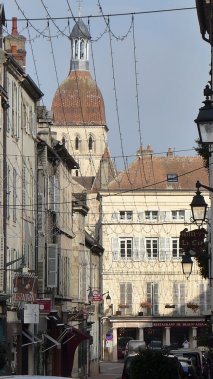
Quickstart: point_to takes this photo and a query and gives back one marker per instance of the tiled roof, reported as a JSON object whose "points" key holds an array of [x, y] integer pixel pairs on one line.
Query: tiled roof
{"points": [[78, 101], [150, 173]]}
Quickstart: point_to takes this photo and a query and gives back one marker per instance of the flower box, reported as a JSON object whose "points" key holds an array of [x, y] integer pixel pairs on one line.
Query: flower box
{"points": [[146, 304], [192, 306], [170, 306]]}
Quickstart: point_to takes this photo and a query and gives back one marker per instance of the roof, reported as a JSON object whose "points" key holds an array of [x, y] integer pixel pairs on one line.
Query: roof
{"points": [[150, 172], [78, 101], [80, 30]]}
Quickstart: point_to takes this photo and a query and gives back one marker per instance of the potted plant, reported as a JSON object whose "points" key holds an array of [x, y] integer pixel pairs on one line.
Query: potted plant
{"points": [[123, 306], [146, 304], [192, 306]]}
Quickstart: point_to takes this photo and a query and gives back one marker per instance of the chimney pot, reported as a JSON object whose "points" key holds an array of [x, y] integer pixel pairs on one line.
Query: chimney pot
{"points": [[14, 27]]}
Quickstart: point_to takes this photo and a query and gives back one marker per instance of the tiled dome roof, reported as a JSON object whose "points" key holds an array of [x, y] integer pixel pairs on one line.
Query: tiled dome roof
{"points": [[78, 101]]}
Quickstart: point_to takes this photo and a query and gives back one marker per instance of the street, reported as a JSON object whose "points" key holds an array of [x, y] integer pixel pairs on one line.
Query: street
{"points": [[109, 370]]}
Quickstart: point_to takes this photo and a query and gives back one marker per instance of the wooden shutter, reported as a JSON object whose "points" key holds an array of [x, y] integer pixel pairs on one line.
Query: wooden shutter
{"points": [[41, 277], [122, 293], [51, 193], [128, 298], [42, 158], [115, 249], [162, 249], [140, 216], [52, 265], [142, 250], [57, 196], [155, 299], [114, 216]]}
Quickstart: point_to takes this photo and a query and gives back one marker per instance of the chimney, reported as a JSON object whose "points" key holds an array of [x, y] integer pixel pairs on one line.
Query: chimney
{"points": [[14, 44], [141, 152]]}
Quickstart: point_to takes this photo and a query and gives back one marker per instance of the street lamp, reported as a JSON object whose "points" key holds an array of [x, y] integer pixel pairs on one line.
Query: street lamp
{"points": [[204, 119], [187, 264], [199, 206]]}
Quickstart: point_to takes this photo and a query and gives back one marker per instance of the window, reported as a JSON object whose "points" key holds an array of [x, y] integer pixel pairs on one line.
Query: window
{"points": [[205, 297], [175, 248], [171, 178], [126, 297], [151, 245], [125, 215], [151, 215], [125, 248], [77, 143], [178, 215], [179, 298], [152, 298]]}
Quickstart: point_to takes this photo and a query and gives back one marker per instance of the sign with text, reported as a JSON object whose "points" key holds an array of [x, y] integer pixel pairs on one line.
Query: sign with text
{"points": [[25, 288], [96, 296], [31, 313], [193, 240]]}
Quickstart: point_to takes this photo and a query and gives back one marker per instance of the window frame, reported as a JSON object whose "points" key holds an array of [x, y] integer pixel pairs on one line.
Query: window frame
{"points": [[178, 214], [149, 253], [151, 215], [126, 255], [125, 215]]}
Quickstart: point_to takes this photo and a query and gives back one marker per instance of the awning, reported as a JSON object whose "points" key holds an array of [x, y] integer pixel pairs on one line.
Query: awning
{"points": [[70, 341], [30, 337], [54, 343]]}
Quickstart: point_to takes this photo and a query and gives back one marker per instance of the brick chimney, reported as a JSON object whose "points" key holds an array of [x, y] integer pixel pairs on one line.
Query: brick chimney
{"points": [[14, 44]]}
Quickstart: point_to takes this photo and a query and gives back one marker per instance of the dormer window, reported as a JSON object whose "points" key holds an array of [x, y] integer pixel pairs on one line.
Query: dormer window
{"points": [[171, 178]]}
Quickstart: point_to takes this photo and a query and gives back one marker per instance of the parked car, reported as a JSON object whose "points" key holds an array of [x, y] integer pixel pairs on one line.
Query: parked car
{"points": [[196, 357], [172, 368], [122, 343], [134, 346], [188, 367]]}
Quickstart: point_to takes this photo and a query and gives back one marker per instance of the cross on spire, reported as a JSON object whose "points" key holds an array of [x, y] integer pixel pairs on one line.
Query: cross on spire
{"points": [[79, 7]]}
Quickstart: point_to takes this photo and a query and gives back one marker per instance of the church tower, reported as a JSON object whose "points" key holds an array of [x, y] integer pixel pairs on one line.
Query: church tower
{"points": [[78, 108]]}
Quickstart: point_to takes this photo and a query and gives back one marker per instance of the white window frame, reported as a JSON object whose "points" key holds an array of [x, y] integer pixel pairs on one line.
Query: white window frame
{"points": [[151, 215], [178, 214], [152, 252], [175, 246], [126, 248]]}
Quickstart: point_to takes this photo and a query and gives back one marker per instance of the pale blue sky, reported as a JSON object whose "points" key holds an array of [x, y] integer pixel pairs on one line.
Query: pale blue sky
{"points": [[173, 64]]}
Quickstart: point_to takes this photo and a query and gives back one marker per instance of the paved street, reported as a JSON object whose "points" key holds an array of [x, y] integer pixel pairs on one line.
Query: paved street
{"points": [[109, 370]]}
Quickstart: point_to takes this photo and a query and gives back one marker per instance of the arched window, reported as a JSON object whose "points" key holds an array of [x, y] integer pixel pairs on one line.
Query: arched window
{"points": [[77, 143], [82, 49], [91, 143], [76, 49], [76, 172]]}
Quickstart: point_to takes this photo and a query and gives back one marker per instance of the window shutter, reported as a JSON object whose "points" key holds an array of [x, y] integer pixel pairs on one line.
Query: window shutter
{"points": [[182, 299], [52, 265], [115, 249], [24, 186], [142, 251], [129, 297], [136, 256], [114, 216], [162, 249], [122, 293], [168, 248], [34, 125], [188, 215], [149, 292], [1, 262], [168, 216], [1, 179], [42, 158], [57, 196], [162, 215], [140, 216], [41, 213], [51, 193], [155, 299]]}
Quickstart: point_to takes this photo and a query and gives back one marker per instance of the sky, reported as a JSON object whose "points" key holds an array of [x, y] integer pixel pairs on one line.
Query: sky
{"points": [[150, 63]]}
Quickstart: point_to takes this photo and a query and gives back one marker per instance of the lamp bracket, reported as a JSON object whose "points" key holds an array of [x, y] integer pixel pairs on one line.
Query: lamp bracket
{"points": [[198, 185]]}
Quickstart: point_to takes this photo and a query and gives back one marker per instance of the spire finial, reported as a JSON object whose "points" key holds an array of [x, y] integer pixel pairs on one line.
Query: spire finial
{"points": [[79, 7]]}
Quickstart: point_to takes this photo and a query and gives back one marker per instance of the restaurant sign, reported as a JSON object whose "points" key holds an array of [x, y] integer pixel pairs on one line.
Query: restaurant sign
{"points": [[193, 240], [25, 287], [179, 324]]}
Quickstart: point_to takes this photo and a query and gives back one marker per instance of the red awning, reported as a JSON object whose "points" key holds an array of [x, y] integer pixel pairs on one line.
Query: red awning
{"points": [[69, 343]]}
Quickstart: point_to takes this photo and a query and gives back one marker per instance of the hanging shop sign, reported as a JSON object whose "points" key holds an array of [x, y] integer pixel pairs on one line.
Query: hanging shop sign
{"points": [[96, 296], [31, 313], [192, 240], [25, 287], [45, 305]]}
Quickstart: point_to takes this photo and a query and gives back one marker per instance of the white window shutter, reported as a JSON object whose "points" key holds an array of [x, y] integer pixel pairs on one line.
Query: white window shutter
{"points": [[115, 249], [41, 213], [42, 158], [162, 215], [114, 216], [162, 249], [34, 125], [136, 256], [188, 215], [142, 250], [52, 265], [140, 216], [168, 248], [1, 262]]}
